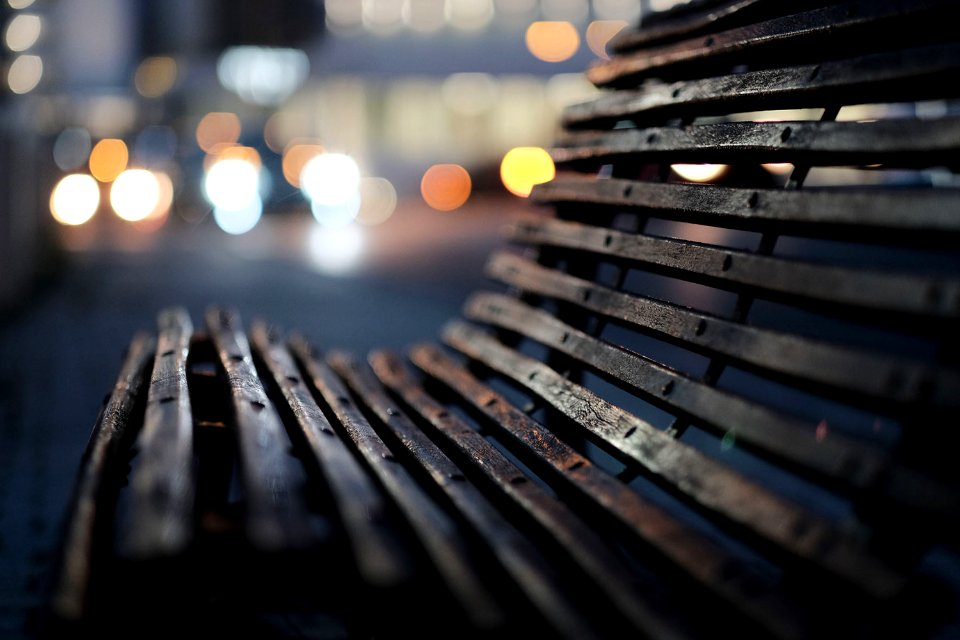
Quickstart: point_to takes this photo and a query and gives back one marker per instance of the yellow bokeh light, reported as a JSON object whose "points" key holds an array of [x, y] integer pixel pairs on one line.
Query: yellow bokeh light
{"points": [[552, 41], [155, 76], [445, 187], [24, 74], [226, 151], [134, 195], [295, 158], [22, 32], [75, 199], [108, 159], [524, 167], [218, 127], [600, 32], [699, 172]]}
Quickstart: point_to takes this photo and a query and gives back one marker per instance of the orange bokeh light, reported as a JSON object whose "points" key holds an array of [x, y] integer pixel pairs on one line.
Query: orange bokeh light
{"points": [[108, 159], [524, 167], [445, 187], [552, 40], [217, 127], [600, 32], [226, 151], [295, 156]]}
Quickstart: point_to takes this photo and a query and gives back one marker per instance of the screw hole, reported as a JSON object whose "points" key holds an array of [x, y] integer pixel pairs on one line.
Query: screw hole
{"points": [[786, 134], [727, 262]]}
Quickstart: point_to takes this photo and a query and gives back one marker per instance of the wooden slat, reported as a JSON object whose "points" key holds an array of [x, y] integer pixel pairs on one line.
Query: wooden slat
{"points": [[788, 439], [680, 22], [163, 487], [705, 482], [276, 516], [90, 506], [869, 290], [904, 142], [515, 552], [850, 212], [902, 76], [583, 546], [818, 34], [694, 554], [364, 512], [879, 378], [442, 538]]}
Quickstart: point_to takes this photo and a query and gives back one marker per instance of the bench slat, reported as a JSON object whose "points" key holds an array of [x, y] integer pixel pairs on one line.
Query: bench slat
{"points": [[852, 212], [90, 506], [817, 34], [696, 556], [696, 477], [515, 552], [161, 508], [914, 74], [364, 512], [276, 515], [879, 378], [582, 545], [440, 535], [732, 269], [902, 142]]}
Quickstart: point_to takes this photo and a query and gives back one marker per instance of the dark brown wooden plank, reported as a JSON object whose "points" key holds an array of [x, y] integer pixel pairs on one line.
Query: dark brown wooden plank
{"points": [[790, 440], [818, 34], [90, 506], [381, 558], [761, 514], [878, 378], [584, 547], [516, 554], [161, 521], [901, 142], [680, 21], [276, 515], [850, 212], [901, 76], [919, 294], [695, 555], [440, 535]]}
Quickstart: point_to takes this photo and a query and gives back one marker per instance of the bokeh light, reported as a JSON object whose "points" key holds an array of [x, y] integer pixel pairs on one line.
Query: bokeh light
{"points": [[134, 195], [217, 127], [552, 41], [24, 74], [239, 221], [72, 148], [75, 199], [778, 168], [423, 16], [445, 187], [262, 75], [699, 172], [378, 200], [155, 76], [335, 250], [108, 159], [524, 167], [382, 16], [295, 158], [469, 15], [600, 32], [628, 10], [330, 178], [165, 198], [343, 16], [232, 184], [22, 32], [339, 214], [20, 4], [232, 152]]}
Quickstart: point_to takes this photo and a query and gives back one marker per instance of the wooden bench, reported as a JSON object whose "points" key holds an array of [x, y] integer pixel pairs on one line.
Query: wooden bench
{"points": [[691, 407]]}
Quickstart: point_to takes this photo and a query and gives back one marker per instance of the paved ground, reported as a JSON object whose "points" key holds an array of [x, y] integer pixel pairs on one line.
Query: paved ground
{"points": [[60, 351]]}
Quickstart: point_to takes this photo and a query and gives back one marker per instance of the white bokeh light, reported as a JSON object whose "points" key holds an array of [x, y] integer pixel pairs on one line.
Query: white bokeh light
{"points": [[75, 199], [337, 215], [335, 250], [239, 221], [232, 184], [330, 178], [135, 194]]}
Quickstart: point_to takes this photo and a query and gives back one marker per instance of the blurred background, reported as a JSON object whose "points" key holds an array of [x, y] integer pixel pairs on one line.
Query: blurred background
{"points": [[342, 167]]}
